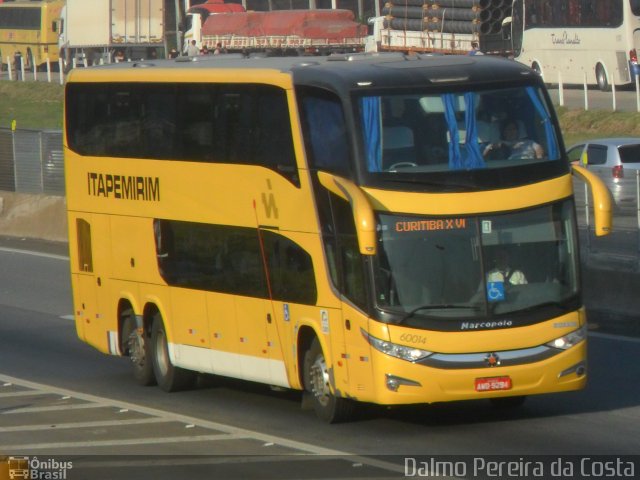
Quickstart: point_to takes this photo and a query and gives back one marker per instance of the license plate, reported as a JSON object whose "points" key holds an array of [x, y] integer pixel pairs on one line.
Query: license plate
{"points": [[491, 384]]}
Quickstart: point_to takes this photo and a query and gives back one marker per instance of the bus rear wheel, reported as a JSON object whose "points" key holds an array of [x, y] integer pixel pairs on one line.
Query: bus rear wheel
{"points": [[601, 79], [169, 377], [317, 385], [137, 344]]}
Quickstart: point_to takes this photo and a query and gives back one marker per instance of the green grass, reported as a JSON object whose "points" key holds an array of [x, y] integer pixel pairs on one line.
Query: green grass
{"points": [[579, 125], [39, 105], [31, 105]]}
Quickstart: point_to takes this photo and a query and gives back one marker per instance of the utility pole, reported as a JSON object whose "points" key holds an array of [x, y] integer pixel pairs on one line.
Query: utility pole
{"points": [[178, 22]]}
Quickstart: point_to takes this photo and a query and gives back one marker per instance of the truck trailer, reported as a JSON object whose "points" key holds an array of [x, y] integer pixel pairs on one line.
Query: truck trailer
{"points": [[442, 26], [228, 26], [103, 31]]}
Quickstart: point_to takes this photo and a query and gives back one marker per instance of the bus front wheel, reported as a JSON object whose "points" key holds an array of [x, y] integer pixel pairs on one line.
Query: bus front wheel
{"points": [[169, 377], [601, 79], [137, 344], [317, 385]]}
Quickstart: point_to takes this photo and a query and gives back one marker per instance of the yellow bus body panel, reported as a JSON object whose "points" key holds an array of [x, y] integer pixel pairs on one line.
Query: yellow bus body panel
{"points": [[41, 44], [257, 338], [472, 202]]}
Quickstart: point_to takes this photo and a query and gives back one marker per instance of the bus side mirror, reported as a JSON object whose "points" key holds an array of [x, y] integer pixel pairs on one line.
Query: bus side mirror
{"points": [[360, 206], [601, 200]]}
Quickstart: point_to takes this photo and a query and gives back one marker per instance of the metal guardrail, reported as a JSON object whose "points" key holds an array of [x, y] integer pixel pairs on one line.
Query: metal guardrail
{"points": [[31, 161]]}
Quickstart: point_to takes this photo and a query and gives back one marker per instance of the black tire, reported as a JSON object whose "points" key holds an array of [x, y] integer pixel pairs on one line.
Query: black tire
{"points": [[31, 62], [137, 345], [508, 402], [601, 79], [169, 377], [327, 406]]}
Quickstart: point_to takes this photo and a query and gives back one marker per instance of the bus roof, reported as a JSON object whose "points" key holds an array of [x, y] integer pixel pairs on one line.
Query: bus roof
{"points": [[337, 71]]}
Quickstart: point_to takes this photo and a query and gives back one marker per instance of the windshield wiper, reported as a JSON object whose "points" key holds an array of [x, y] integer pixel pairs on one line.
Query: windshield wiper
{"points": [[442, 306]]}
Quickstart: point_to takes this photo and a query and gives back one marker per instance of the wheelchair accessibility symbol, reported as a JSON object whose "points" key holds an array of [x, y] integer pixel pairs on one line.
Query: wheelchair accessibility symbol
{"points": [[495, 291]]}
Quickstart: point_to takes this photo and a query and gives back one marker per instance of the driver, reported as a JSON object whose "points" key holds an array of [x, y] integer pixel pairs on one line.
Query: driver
{"points": [[502, 272]]}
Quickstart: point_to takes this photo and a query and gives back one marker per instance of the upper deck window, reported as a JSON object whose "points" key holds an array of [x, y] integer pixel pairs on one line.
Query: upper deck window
{"points": [[21, 18], [215, 123], [473, 130], [325, 130], [575, 13]]}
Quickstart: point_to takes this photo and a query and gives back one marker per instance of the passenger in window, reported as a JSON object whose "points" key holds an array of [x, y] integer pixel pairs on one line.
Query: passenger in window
{"points": [[475, 49], [513, 146]]}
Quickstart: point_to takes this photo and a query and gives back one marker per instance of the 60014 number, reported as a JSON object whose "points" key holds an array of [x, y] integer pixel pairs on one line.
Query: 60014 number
{"points": [[413, 338]]}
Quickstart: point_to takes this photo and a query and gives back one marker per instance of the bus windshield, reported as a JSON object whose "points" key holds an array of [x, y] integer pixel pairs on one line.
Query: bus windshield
{"points": [[474, 267], [468, 130]]}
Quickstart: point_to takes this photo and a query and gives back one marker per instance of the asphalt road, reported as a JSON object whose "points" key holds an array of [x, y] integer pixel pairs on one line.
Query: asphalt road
{"points": [[60, 399]]}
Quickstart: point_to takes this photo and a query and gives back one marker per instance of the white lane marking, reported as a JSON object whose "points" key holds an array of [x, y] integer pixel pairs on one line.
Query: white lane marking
{"points": [[35, 254], [229, 430], [68, 317], [23, 393], [72, 425], [120, 442], [54, 408]]}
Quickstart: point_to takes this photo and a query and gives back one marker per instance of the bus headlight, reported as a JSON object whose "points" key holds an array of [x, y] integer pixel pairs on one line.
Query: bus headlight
{"points": [[410, 354], [569, 340]]}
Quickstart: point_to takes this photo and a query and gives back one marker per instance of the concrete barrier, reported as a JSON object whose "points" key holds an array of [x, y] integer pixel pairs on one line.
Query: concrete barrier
{"points": [[33, 216]]}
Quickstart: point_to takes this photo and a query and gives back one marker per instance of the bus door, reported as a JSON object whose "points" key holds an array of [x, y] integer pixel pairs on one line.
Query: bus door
{"points": [[346, 270], [292, 301], [90, 320]]}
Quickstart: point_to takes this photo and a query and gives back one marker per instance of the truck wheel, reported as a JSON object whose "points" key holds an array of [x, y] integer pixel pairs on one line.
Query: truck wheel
{"points": [[169, 377], [137, 345], [601, 79], [327, 406]]}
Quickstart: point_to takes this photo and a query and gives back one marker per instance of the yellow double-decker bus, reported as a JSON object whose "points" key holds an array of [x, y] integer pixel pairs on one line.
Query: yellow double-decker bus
{"points": [[349, 226], [29, 28]]}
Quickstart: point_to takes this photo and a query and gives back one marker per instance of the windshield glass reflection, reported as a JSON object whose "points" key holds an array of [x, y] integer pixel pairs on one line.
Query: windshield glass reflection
{"points": [[475, 267], [430, 132]]}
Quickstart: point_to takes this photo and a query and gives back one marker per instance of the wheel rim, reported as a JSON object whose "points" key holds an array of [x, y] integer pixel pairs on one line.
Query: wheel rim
{"points": [[136, 349], [319, 377], [162, 358]]}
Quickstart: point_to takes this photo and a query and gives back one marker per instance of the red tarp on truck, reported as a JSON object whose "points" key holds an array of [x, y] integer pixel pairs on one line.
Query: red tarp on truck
{"points": [[333, 25], [216, 6]]}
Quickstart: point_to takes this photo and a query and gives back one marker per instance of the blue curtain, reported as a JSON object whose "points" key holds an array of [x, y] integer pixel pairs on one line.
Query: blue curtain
{"points": [[471, 156], [552, 144], [474, 157], [455, 160], [371, 121]]}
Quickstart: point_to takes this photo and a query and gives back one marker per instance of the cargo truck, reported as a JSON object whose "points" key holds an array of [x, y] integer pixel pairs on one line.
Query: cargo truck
{"points": [[233, 29], [442, 26], [103, 31]]}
